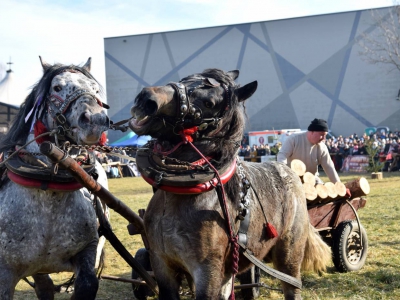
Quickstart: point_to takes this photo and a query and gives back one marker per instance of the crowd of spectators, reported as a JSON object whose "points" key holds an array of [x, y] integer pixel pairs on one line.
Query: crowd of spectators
{"points": [[387, 145], [125, 165], [258, 150], [386, 148]]}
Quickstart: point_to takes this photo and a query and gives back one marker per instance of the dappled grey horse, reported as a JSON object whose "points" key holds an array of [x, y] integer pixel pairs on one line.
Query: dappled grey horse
{"points": [[47, 221]]}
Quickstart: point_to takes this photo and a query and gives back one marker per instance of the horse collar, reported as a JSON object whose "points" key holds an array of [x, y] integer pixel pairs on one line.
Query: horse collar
{"points": [[179, 177], [192, 189]]}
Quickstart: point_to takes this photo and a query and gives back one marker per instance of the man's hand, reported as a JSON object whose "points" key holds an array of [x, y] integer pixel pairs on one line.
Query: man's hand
{"points": [[348, 194]]}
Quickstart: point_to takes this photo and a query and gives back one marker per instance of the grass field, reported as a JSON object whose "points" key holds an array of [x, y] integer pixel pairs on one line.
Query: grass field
{"points": [[378, 279]]}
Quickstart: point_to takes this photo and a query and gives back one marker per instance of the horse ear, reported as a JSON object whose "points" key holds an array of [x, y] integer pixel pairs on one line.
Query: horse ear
{"points": [[233, 74], [246, 91], [88, 64], [45, 65]]}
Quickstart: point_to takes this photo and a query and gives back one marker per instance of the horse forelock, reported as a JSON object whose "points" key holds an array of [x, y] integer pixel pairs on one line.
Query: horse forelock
{"points": [[217, 74], [20, 129]]}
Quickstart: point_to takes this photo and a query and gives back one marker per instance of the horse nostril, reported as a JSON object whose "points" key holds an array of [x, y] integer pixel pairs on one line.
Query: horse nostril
{"points": [[150, 107], [84, 119]]}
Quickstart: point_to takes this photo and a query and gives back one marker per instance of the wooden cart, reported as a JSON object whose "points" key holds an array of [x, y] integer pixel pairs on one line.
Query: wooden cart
{"points": [[338, 223]]}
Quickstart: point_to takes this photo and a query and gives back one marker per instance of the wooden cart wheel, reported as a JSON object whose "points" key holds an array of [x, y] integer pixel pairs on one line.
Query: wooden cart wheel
{"points": [[141, 292], [251, 276], [348, 252]]}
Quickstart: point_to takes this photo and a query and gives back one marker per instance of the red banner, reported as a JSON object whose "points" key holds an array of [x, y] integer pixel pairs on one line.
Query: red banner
{"points": [[356, 163]]}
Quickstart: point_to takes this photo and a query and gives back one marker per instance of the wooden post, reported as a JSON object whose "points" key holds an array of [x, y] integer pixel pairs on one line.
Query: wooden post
{"points": [[377, 175]]}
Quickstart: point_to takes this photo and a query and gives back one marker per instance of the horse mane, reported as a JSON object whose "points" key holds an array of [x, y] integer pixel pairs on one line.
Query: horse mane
{"points": [[20, 130], [217, 74], [227, 144]]}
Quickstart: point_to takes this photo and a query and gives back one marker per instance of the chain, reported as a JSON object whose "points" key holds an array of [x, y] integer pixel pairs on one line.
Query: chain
{"points": [[186, 163], [103, 149], [244, 185]]}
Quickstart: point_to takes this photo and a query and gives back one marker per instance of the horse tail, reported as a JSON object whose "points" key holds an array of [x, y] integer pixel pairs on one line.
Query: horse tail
{"points": [[317, 254]]}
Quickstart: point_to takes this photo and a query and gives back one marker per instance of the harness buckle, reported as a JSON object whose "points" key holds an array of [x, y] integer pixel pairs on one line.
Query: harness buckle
{"points": [[61, 130], [61, 118], [158, 178]]}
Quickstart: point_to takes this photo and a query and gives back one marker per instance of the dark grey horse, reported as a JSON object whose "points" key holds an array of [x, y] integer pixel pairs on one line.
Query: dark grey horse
{"points": [[189, 234], [45, 231]]}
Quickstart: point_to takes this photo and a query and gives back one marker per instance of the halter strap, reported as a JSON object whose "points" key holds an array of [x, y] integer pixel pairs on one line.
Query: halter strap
{"points": [[185, 108]]}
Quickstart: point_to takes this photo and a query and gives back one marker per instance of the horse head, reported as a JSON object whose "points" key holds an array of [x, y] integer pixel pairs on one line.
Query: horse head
{"points": [[206, 104], [66, 98], [74, 105]]}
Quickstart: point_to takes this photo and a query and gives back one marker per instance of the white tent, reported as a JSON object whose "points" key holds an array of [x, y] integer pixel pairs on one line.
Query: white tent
{"points": [[7, 88]]}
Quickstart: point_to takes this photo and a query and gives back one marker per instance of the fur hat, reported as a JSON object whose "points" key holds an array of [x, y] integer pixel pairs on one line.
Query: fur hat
{"points": [[318, 125]]}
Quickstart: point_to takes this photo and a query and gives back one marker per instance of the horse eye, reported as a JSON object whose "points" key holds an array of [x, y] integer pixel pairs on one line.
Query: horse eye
{"points": [[57, 88], [208, 104]]}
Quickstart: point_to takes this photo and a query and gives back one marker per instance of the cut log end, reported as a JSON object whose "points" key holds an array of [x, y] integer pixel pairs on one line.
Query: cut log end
{"points": [[358, 187], [322, 191], [340, 189], [310, 191], [331, 190], [309, 177], [298, 167]]}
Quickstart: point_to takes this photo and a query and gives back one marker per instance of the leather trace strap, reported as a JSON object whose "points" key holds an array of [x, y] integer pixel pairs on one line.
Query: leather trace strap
{"points": [[106, 230], [275, 273]]}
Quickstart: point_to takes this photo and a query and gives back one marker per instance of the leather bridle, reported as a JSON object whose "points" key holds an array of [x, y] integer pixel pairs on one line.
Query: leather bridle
{"points": [[189, 114], [57, 107]]}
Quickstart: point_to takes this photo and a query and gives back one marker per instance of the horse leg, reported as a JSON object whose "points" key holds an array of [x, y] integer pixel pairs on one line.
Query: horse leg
{"points": [[86, 282], [208, 282], [44, 287], [168, 280], [289, 261], [8, 281]]}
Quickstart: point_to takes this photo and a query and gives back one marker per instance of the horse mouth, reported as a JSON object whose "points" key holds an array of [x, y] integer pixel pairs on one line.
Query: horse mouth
{"points": [[137, 123], [87, 136]]}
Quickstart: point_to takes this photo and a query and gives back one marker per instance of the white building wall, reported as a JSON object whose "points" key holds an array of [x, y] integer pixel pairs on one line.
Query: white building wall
{"points": [[306, 68]]}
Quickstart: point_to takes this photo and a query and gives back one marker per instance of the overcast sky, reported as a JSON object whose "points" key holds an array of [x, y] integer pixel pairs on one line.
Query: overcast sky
{"points": [[71, 31]]}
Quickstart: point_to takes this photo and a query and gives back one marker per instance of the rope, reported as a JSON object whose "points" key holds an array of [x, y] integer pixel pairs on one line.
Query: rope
{"points": [[186, 135], [53, 132]]}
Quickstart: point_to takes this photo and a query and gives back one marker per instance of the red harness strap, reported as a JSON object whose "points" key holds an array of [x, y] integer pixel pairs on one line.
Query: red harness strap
{"points": [[44, 185]]}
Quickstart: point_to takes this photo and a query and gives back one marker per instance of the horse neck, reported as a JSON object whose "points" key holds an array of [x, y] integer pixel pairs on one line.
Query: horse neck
{"points": [[32, 147]]}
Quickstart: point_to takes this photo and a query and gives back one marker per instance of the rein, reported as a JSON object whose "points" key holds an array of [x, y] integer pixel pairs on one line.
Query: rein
{"points": [[54, 131], [233, 238], [218, 183]]}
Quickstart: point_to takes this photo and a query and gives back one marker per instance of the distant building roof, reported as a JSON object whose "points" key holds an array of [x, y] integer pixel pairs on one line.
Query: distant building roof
{"points": [[7, 114], [7, 87]]}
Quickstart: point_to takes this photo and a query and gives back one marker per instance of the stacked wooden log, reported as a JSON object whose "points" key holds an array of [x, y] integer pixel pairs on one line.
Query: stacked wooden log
{"points": [[327, 192]]}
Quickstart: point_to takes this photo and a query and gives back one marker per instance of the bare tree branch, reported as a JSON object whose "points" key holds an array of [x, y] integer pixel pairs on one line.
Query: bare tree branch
{"points": [[382, 45]]}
